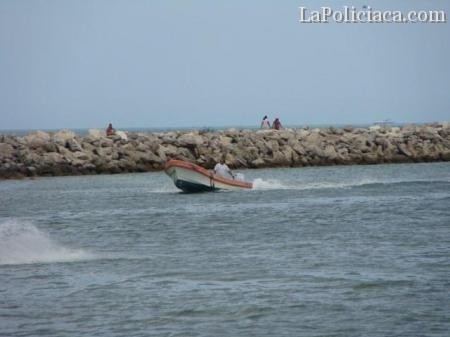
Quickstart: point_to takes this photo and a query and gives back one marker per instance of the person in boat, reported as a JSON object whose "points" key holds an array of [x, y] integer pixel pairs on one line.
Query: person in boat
{"points": [[277, 124], [265, 124], [223, 170], [110, 131]]}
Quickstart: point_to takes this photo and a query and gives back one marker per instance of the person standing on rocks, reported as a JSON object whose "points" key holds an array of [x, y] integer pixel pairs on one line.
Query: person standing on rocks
{"points": [[265, 124], [277, 124], [110, 131]]}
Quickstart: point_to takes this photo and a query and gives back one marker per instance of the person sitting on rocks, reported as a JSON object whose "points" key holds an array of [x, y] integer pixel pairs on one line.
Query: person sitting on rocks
{"points": [[223, 170], [265, 124], [277, 124], [110, 131]]}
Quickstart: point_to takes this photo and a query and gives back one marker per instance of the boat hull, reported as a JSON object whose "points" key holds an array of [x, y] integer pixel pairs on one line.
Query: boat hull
{"points": [[192, 178]]}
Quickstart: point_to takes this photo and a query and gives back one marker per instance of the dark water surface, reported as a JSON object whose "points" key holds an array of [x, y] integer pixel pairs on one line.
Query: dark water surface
{"points": [[331, 251]]}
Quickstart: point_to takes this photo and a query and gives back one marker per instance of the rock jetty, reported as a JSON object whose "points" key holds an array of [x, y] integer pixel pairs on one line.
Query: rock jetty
{"points": [[66, 153]]}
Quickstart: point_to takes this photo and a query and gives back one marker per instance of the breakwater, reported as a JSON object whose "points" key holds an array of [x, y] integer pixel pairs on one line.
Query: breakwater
{"points": [[66, 153]]}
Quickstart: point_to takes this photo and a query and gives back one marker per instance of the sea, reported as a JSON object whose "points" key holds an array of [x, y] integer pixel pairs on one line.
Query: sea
{"points": [[314, 251]]}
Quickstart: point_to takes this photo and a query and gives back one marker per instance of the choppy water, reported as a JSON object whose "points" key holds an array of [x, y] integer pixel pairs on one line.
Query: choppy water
{"points": [[334, 251]]}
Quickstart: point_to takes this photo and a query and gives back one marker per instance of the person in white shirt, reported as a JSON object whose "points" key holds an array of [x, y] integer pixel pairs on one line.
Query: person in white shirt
{"points": [[265, 124], [223, 170]]}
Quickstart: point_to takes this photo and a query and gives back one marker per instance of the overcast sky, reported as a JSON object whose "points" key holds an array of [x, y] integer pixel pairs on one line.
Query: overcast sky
{"points": [[192, 63]]}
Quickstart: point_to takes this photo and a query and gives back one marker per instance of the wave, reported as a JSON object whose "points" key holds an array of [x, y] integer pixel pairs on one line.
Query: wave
{"points": [[274, 184], [271, 184], [24, 243], [167, 188]]}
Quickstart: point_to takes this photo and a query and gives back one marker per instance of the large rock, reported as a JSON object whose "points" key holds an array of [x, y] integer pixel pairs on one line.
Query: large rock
{"points": [[299, 149], [96, 133], [103, 151], [138, 157], [224, 140], [184, 154], [51, 158], [257, 163], [330, 153], [384, 142], [73, 145], [403, 149], [190, 139], [169, 137], [279, 159], [6, 151], [37, 139], [61, 137]]}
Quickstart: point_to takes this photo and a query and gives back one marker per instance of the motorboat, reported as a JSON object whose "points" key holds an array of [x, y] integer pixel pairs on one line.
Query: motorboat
{"points": [[190, 178]]}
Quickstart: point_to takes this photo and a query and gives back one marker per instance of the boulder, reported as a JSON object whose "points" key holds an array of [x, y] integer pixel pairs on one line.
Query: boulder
{"points": [[167, 150], [142, 147], [384, 143], [279, 159], [73, 145], [191, 138], [37, 139], [259, 162], [404, 150], [96, 134], [273, 145], [330, 153], [106, 142], [137, 157], [169, 137], [51, 158], [6, 151], [61, 137], [82, 155], [103, 151], [289, 154], [299, 149], [184, 154]]}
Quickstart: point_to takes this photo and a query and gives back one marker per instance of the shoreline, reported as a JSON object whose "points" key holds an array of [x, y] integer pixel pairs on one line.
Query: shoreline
{"points": [[65, 153]]}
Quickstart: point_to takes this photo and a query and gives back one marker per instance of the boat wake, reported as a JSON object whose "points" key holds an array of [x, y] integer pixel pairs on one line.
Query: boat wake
{"points": [[270, 184], [274, 184], [24, 243]]}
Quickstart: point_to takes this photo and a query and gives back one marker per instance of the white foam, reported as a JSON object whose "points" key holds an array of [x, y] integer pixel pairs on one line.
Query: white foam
{"points": [[166, 188], [21, 242], [274, 184], [270, 184], [330, 184]]}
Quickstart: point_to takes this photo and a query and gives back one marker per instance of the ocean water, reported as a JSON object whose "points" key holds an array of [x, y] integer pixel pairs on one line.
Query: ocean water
{"points": [[321, 251]]}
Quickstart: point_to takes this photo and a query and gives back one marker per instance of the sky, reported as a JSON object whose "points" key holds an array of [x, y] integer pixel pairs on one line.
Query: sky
{"points": [[198, 63]]}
